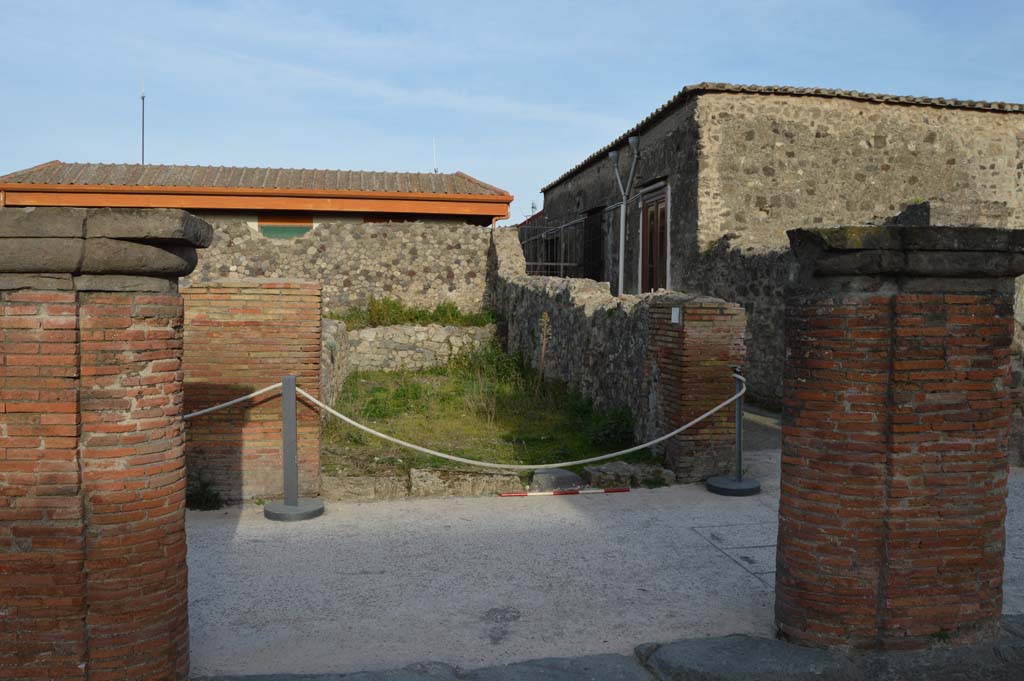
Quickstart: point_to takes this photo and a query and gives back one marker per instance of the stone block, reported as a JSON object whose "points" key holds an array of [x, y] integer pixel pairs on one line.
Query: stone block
{"points": [[153, 225], [553, 479], [453, 483], [613, 474], [43, 223], [745, 658]]}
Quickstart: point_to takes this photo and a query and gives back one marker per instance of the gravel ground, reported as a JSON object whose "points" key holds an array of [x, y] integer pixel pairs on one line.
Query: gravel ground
{"points": [[485, 581]]}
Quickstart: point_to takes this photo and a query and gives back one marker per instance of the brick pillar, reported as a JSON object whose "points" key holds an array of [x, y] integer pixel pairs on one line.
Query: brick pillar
{"points": [[895, 422], [695, 343], [244, 334], [92, 538]]}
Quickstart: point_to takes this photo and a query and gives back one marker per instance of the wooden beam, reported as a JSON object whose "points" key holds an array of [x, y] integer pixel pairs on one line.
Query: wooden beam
{"points": [[366, 202]]}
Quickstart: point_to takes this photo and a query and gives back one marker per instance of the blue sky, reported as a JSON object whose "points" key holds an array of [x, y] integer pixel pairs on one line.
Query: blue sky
{"points": [[514, 92]]}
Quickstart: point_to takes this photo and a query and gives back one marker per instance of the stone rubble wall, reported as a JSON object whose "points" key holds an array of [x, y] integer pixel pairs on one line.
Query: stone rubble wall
{"points": [[401, 347], [391, 348], [333, 359], [420, 263], [742, 168], [667, 357]]}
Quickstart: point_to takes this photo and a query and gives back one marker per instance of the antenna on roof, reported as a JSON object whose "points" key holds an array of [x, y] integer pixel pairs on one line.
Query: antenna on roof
{"points": [[434, 140], [143, 121]]}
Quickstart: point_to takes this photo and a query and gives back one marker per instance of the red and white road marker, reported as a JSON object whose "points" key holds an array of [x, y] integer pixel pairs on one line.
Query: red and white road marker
{"points": [[565, 492]]}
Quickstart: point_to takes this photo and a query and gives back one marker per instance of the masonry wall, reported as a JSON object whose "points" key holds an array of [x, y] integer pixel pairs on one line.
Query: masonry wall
{"points": [[772, 163], [744, 168], [242, 335], [400, 347], [420, 263], [895, 423], [628, 352], [91, 442], [93, 577], [669, 151]]}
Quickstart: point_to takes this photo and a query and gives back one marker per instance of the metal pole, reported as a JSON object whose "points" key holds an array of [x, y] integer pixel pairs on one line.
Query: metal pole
{"points": [[739, 432], [735, 485], [622, 245], [292, 508], [289, 442]]}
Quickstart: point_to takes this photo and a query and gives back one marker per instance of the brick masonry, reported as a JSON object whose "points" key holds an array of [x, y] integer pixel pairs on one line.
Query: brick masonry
{"points": [[627, 352], [691, 361], [241, 335], [895, 423], [93, 579]]}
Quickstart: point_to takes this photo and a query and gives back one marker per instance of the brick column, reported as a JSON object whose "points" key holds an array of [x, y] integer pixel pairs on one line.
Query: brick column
{"points": [[691, 359], [92, 538], [895, 422], [244, 334]]}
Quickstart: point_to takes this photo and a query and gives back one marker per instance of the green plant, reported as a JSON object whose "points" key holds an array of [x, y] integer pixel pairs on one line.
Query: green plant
{"points": [[389, 312], [483, 405], [614, 429], [200, 493], [545, 336]]}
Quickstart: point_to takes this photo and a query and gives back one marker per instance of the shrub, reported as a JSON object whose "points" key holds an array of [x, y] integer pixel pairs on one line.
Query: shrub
{"points": [[389, 312], [200, 494]]}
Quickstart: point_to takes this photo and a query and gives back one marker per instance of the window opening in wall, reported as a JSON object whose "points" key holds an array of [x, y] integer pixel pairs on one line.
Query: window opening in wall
{"points": [[594, 244], [284, 226], [654, 242]]}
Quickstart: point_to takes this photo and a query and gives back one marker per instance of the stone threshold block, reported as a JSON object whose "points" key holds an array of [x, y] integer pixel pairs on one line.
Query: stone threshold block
{"points": [[895, 425]]}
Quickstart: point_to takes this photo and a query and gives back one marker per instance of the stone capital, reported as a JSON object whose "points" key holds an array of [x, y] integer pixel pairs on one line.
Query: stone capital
{"points": [[58, 248]]}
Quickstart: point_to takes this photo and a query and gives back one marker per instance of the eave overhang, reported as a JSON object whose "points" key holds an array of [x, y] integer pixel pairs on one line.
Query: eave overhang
{"points": [[491, 206]]}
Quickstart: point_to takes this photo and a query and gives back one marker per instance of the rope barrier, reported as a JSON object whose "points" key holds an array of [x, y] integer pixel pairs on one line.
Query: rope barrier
{"points": [[473, 462], [524, 467], [230, 403]]}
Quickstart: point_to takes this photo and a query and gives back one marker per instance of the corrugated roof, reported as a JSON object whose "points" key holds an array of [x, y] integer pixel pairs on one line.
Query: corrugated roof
{"points": [[137, 175], [691, 91]]}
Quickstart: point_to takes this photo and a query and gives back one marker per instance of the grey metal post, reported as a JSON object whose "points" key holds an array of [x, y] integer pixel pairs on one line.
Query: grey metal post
{"points": [[739, 431], [289, 442], [735, 485], [292, 508]]}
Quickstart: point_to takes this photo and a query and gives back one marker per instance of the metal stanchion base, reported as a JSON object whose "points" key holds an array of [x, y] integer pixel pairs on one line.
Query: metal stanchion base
{"points": [[729, 486], [306, 509]]}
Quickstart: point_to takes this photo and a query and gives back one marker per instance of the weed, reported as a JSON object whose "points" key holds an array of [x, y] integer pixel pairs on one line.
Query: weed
{"points": [[389, 312], [482, 405], [200, 494], [614, 429]]}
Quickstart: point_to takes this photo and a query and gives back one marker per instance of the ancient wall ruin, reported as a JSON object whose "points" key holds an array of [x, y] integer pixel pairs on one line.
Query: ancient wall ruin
{"points": [[743, 167], [92, 467], [772, 163], [895, 425], [420, 263], [242, 335], [667, 357]]}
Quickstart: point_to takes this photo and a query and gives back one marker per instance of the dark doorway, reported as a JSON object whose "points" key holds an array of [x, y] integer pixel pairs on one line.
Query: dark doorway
{"points": [[654, 259]]}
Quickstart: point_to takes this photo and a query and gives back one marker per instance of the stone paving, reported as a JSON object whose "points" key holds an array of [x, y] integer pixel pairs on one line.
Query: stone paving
{"points": [[543, 584]]}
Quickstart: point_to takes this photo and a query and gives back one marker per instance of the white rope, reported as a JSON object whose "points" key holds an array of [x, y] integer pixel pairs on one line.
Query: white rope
{"points": [[225, 405], [518, 467]]}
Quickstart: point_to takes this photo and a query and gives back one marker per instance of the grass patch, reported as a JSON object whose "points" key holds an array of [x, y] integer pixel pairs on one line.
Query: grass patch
{"points": [[485, 406], [390, 312]]}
